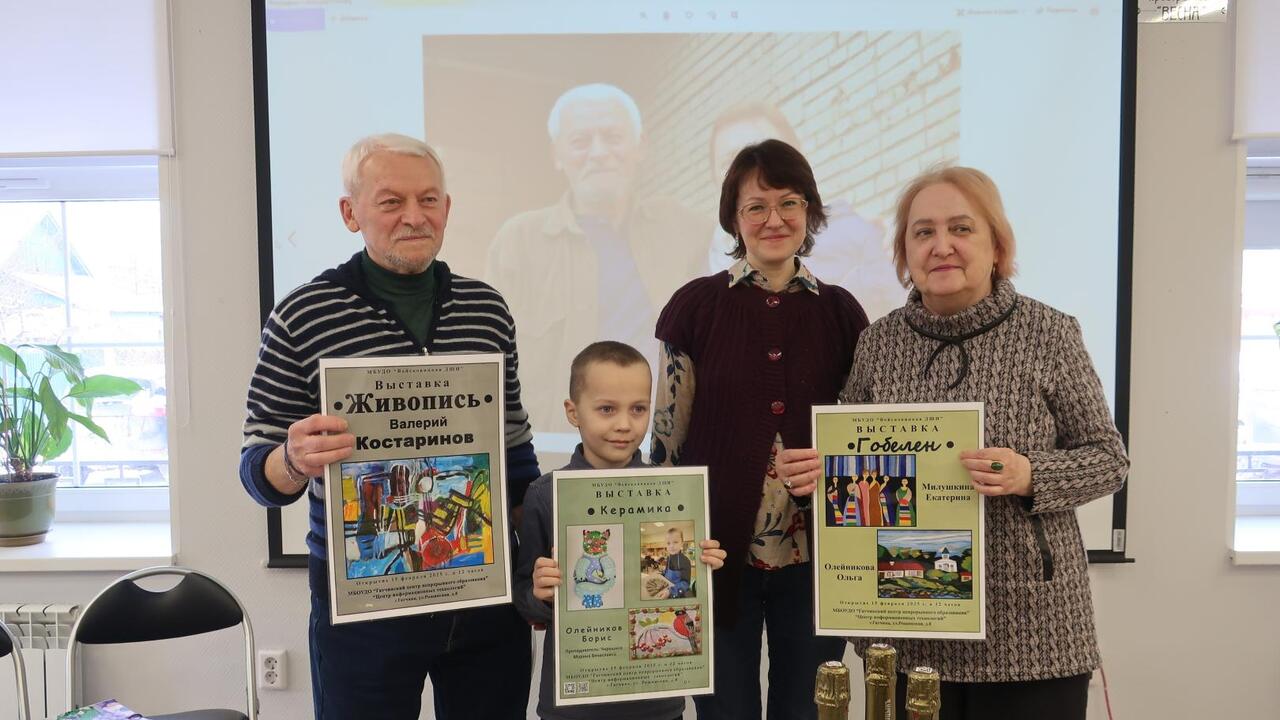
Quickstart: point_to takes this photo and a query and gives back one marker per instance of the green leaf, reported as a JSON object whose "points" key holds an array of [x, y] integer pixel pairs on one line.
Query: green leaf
{"points": [[100, 386], [66, 362], [23, 437], [56, 414], [10, 357], [89, 425], [55, 445], [39, 387]]}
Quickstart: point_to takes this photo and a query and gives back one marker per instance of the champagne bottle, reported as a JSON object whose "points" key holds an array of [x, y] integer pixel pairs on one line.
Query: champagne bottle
{"points": [[881, 667], [831, 691], [924, 697]]}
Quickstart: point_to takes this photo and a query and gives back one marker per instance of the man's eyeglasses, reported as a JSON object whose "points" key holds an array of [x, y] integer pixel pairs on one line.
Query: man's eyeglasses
{"points": [[788, 209]]}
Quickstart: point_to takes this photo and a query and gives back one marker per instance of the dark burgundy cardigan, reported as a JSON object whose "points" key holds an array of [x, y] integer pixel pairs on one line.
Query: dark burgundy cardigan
{"points": [[761, 361]]}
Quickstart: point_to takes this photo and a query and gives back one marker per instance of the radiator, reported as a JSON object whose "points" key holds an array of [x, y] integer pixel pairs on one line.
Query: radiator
{"points": [[42, 630]]}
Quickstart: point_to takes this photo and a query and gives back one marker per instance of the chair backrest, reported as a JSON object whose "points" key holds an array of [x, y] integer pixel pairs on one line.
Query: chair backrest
{"points": [[9, 644], [123, 612]]}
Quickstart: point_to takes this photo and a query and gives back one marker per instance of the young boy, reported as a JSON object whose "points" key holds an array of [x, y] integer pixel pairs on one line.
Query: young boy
{"points": [[609, 386], [679, 570]]}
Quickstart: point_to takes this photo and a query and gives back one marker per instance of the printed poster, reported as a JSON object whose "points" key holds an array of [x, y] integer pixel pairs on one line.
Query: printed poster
{"points": [[898, 544], [417, 516], [633, 611]]}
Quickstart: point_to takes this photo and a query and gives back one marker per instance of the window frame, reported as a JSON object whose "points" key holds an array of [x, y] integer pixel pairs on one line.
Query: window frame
{"points": [[105, 178], [1255, 510]]}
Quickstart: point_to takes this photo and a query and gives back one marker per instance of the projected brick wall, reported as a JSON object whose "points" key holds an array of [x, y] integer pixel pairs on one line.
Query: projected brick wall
{"points": [[871, 109]]}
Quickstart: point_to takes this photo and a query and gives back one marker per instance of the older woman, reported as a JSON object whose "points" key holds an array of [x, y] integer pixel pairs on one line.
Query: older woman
{"points": [[965, 334], [746, 354]]}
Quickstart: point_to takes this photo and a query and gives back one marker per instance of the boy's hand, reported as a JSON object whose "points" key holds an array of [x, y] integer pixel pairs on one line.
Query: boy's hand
{"points": [[546, 578], [799, 470], [712, 555]]}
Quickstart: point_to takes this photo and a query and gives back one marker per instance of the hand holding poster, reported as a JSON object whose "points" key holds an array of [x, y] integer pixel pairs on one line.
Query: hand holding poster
{"points": [[417, 516], [898, 546], [633, 612]]}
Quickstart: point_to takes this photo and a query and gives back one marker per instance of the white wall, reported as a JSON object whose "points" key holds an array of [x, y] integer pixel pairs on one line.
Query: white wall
{"points": [[1183, 633]]}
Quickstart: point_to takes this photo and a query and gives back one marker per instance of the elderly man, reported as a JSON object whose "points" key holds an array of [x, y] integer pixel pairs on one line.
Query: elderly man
{"points": [[598, 264], [391, 298]]}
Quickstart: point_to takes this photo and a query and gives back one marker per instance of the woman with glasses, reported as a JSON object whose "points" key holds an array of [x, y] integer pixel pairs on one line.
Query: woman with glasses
{"points": [[745, 353]]}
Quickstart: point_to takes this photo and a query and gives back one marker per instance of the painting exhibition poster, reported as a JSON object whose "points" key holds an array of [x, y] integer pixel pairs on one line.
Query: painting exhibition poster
{"points": [[898, 544], [633, 610], [417, 516]]}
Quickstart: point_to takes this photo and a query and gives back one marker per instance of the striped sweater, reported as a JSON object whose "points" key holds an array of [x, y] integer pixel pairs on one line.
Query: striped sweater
{"points": [[336, 315]]}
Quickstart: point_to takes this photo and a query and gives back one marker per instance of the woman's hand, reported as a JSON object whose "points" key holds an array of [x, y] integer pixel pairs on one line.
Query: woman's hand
{"points": [[998, 471], [799, 470], [546, 578], [712, 555]]}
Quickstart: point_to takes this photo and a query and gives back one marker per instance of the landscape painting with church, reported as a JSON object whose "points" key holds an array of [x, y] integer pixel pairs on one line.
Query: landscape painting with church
{"points": [[924, 564]]}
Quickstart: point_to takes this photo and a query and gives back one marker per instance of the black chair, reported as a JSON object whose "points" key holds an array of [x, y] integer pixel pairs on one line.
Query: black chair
{"points": [[126, 613], [9, 645]]}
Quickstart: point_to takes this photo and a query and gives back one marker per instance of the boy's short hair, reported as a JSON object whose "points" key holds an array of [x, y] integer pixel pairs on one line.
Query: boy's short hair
{"points": [[604, 351], [677, 531]]}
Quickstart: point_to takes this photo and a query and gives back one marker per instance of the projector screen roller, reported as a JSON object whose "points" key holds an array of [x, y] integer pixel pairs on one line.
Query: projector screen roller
{"points": [[584, 145]]}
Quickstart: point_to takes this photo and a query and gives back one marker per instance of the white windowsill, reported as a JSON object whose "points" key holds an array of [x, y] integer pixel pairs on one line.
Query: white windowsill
{"points": [[1257, 540], [89, 546]]}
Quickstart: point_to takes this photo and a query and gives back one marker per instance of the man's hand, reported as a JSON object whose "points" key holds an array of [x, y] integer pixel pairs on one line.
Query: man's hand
{"points": [[317, 441], [314, 442]]}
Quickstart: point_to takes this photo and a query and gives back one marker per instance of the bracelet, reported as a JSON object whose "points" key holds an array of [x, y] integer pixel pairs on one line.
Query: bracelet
{"points": [[296, 476]]}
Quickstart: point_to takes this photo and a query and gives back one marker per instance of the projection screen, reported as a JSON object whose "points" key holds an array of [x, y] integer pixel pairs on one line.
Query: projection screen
{"points": [[1039, 96]]}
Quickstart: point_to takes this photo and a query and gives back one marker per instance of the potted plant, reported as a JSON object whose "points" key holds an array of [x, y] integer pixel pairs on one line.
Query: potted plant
{"points": [[41, 394]]}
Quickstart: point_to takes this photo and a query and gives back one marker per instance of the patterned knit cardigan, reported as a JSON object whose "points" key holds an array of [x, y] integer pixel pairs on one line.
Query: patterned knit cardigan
{"points": [[1044, 400]]}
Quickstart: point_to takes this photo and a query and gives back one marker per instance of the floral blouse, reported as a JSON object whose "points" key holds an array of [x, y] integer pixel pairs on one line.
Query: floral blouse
{"points": [[779, 538]]}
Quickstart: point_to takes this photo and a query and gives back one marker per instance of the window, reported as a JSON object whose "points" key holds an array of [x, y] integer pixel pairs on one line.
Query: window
{"points": [[1258, 423], [86, 275], [1258, 434], [81, 152]]}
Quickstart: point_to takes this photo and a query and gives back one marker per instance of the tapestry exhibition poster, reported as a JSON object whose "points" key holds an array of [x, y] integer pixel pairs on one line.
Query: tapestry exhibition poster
{"points": [[898, 542]]}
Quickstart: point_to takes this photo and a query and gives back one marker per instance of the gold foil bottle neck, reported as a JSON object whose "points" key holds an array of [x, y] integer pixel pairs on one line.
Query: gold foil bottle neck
{"points": [[831, 690], [881, 662], [923, 693], [880, 679]]}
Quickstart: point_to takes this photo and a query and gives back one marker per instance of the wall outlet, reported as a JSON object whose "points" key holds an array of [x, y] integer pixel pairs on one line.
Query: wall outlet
{"points": [[273, 670]]}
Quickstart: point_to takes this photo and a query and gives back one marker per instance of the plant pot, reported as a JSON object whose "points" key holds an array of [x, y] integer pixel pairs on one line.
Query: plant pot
{"points": [[26, 509]]}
